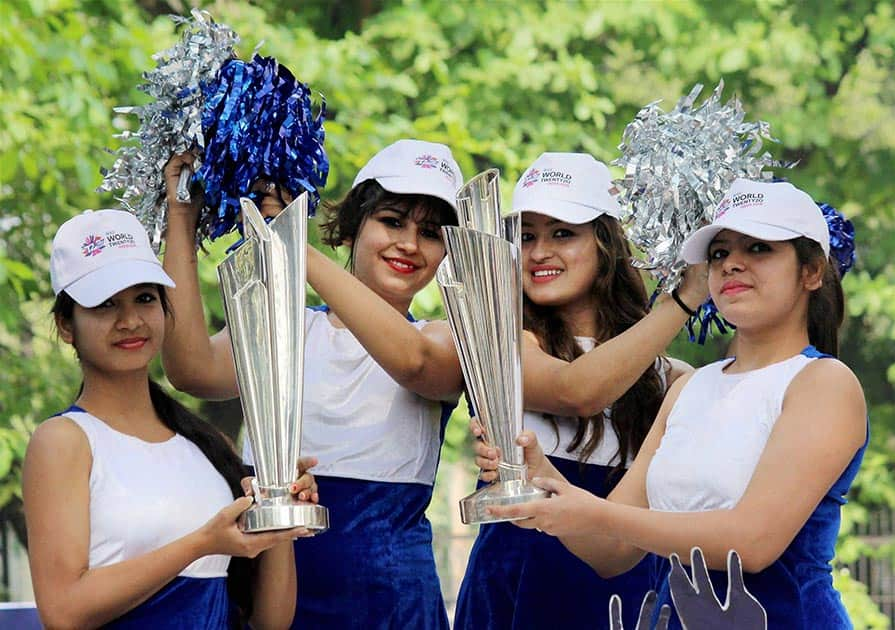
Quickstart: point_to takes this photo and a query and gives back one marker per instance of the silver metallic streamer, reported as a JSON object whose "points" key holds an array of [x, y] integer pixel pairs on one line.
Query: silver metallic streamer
{"points": [[171, 123], [678, 165]]}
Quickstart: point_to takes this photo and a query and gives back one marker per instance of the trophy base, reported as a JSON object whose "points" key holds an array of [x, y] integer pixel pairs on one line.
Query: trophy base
{"points": [[510, 492], [266, 516]]}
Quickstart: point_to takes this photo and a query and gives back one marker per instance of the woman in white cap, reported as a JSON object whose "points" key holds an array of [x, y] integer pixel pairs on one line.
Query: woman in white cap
{"points": [[374, 417], [129, 498], [593, 385], [755, 452]]}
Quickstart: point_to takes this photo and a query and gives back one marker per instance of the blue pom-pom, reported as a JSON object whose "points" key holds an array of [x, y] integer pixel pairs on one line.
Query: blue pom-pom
{"points": [[842, 238], [707, 316], [258, 124]]}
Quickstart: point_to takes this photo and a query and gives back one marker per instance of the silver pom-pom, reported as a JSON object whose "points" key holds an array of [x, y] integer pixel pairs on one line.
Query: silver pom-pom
{"points": [[678, 165], [171, 123]]}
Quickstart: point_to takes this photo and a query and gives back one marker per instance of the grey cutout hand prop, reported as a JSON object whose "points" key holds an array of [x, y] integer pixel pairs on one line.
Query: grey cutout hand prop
{"points": [[644, 619], [697, 605]]}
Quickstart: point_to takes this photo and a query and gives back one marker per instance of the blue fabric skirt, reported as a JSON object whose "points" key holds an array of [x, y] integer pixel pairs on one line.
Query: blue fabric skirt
{"points": [[374, 568], [523, 579], [183, 604]]}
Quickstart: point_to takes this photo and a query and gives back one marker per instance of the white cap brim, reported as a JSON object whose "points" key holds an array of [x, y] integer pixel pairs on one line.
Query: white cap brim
{"points": [[98, 286], [410, 186], [696, 247], [566, 211]]}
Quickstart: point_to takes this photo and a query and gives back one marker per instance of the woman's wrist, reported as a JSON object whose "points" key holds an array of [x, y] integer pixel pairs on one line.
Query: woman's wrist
{"points": [[684, 306]]}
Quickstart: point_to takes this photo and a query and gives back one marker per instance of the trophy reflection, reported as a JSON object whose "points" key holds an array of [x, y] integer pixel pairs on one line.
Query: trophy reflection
{"points": [[263, 285], [481, 285]]}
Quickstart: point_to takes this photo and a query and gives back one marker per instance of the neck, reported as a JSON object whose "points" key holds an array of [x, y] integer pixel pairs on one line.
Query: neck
{"points": [[120, 399], [759, 348]]}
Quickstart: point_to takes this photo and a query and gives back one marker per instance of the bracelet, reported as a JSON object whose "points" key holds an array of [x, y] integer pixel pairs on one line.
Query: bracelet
{"points": [[689, 311]]}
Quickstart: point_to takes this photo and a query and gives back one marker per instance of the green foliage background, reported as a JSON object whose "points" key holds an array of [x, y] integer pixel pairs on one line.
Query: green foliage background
{"points": [[499, 82]]}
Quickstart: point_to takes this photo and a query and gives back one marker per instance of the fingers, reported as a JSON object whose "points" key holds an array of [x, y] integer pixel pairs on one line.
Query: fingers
{"points": [[486, 457], [305, 463], [531, 450], [246, 484], [615, 613], [701, 578], [647, 606], [476, 427], [736, 586], [304, 488], [662, 621], [554, 486], [232, 511], [679, 580], [520, 514]]}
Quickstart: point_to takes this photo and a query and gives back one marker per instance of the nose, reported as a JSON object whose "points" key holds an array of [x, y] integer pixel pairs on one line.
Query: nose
{"points": [[129, 317], [408, 239], [734, 261], [538, 250]]}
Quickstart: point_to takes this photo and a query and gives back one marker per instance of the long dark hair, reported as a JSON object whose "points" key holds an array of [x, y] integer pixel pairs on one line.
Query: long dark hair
{"points": [[620, 291], [826, 304], [213, 444], [343, 220]]}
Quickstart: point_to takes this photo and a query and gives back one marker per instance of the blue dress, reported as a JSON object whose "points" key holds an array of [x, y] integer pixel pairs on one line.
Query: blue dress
{"points": [[520, 578], [183, 604], [797, 590]]}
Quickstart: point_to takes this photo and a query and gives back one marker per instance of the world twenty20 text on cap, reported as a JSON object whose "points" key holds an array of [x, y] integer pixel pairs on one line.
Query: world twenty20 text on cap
{"points": [[571, 187], [415, 167], [98, 253], [774, 211]]}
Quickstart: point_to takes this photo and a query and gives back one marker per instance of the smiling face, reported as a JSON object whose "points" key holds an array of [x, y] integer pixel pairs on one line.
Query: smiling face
{"points": [[122, 334], [758, 283], [397, 251], [559, 260]]}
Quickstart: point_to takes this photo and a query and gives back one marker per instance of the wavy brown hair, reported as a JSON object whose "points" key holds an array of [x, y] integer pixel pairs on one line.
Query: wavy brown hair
{"points": [[620, 291]]}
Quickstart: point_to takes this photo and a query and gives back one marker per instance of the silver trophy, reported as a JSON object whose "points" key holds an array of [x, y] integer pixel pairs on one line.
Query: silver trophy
{"points": [[481, 285], [263, 284]]}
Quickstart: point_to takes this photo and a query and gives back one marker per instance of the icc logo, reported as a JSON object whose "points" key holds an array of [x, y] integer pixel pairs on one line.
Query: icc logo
{"points": [[93, 245], [427, 161], [531, 178]]}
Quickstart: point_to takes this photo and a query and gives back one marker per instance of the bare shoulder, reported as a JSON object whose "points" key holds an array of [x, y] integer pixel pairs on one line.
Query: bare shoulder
{"points": [[59, 435], [827, 389]]}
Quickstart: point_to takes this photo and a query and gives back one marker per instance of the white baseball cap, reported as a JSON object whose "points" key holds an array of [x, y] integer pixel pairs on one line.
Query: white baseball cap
{"points": [[97, 254], [415, 167], [571, 187], [774, 211]]}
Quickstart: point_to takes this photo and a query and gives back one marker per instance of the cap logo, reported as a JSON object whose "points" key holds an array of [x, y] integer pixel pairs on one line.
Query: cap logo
{"points": [[556, 178], [742, 200], [426, 161], [93, 245], [531, 178]]}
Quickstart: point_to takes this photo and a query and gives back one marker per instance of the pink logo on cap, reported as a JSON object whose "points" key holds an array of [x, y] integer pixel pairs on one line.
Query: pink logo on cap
{"points": [[531, 178], [93, 245], [427, 161]]}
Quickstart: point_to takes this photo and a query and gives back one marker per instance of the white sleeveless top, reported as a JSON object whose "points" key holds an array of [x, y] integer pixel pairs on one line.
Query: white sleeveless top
{"points": [[606, 452], [715, 435], [356, 420], [144, 495]]}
